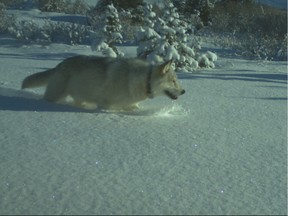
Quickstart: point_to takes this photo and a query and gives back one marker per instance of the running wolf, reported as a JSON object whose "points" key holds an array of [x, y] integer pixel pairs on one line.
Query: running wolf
{"points": [[108, 83]]}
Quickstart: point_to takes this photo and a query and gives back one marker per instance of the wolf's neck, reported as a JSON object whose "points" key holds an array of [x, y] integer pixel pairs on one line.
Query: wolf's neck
{"points": [[142, 88], [149, 91]]}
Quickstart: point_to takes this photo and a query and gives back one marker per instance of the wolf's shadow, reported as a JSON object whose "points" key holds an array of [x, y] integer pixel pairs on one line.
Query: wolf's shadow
{"points": [[19, 100]]}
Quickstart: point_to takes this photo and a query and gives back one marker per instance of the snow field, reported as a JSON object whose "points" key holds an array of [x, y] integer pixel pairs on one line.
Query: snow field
{"points": [[221, 148]]}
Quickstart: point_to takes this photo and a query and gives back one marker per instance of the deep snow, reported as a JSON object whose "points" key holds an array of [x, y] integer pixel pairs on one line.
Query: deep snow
{"points": [[219, 149]]}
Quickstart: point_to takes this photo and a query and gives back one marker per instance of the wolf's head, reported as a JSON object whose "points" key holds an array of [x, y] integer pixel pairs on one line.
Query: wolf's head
{"points": [[164, 81]]}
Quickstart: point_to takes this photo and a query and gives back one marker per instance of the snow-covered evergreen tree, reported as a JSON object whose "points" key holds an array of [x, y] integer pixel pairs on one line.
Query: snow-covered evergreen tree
{"points": [[203, 7], [111, 34], [180, 5], [161, 41], [147, 37], [169, 40], [207, 60], [173, 41], [52, 5]]}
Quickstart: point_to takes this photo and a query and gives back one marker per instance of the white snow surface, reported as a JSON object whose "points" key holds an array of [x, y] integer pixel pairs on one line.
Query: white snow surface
{"points": [[221, 148]]}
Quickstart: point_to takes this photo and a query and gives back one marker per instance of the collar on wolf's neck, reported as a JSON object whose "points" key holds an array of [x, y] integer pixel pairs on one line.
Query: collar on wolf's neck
{"points": [[149, 91]]}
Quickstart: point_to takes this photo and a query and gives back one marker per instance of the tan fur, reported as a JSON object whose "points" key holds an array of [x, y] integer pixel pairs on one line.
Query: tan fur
{"points": [[112, 83]]}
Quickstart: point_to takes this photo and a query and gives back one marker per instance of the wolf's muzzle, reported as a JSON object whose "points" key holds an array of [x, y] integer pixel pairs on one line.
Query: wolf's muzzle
{"points": [[172, 96]]}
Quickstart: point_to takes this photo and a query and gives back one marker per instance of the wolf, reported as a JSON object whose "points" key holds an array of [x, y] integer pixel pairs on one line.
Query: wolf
{"points": [[92, 82]]}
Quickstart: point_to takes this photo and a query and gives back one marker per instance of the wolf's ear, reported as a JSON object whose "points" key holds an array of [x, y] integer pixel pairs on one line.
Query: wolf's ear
{"points": [[165, 67]]}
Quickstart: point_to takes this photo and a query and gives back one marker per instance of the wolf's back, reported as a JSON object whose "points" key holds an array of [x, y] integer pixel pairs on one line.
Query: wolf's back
{"points": [[37, 79]]}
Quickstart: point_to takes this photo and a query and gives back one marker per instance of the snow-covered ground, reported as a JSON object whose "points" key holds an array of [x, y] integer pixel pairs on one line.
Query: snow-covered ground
{"points": [[219, 149]]}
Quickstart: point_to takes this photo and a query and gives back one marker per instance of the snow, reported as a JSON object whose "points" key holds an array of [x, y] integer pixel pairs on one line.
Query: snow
{"points": [[274, 3], [221, 148], [91, 2], [41, 17], [106, 50]]}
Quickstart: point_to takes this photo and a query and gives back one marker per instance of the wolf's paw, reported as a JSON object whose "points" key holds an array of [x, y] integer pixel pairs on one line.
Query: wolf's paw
{"points": [[131, 107]]}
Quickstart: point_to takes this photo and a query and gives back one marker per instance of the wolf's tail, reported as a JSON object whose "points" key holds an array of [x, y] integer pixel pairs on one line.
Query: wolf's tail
{"points": [[37, 79]]}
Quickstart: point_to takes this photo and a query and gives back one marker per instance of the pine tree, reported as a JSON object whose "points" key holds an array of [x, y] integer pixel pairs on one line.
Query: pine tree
{"points": [[180, 5], [111, 34], [169, 40], [119, 4], [173, 41], [165, 46], [203, 7], [147, 36], [52, 5], [112, 27], [79, 7]]}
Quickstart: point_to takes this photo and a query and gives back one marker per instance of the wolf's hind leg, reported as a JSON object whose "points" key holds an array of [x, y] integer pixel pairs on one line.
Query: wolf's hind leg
{"points": [[56, 88]]}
